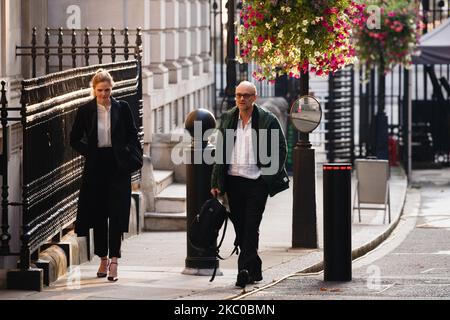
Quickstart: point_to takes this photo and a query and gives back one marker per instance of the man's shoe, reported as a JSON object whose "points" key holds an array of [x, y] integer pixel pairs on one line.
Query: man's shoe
{"points": [[242, 278], [257, 278]]}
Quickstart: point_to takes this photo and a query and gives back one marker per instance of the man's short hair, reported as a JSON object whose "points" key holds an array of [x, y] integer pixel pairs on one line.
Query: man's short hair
{"points": [[250, 84]]}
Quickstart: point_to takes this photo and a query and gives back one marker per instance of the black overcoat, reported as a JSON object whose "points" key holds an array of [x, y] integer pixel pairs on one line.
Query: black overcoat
{"points": [[84, 139]]}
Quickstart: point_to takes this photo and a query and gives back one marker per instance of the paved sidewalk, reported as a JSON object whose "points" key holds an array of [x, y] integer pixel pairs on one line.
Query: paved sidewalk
{"points": [[152, 262]]}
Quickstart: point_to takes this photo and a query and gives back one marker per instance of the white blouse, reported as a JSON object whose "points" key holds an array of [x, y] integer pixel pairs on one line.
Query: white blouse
{"points": [[104, 126]]}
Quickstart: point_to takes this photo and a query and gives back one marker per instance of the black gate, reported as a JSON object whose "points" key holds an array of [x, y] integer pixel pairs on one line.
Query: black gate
{"points": [[51, 170], [339, 116]]}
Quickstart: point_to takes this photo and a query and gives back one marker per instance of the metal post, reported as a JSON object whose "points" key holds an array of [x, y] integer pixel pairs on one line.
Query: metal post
{"points": [[113, 44], [214, 55], [304, 233], [100, 44], [407, 122], [60, 48], [337, 224], [371, 87], [5, 236], [425, 10], [46, 51], [126, 42], [221, 93], [198, 186], [381, 138], [74, 49], [231, 57], [33, 52], [86, 46], [352, 114]]}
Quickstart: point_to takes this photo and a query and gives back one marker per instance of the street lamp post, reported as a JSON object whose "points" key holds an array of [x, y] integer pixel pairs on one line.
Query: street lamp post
{"points": [[304, 231], [231, 56]]}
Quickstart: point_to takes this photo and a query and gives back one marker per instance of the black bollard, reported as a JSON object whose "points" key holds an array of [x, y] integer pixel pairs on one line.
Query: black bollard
{"points": [[198, 186], [337, 224]]}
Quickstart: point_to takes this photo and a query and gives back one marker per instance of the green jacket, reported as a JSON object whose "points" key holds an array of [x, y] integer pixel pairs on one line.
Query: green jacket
{"points": [[273, 172]]}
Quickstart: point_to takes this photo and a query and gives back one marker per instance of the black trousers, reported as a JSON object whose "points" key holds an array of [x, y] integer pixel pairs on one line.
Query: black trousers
{"points": [[107, 237], [247, 199]]}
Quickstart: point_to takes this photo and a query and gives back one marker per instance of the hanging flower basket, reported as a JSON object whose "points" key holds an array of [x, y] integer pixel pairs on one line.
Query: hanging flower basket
{"points": [[390, 33], [293, 36]]}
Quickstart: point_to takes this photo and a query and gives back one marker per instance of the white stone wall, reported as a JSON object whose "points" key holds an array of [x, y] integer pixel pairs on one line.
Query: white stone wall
{"points": [[10, 36], [177, 72]]}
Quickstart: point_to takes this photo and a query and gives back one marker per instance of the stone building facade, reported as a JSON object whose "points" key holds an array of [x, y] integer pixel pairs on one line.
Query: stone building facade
{"points": [[177, 67]]}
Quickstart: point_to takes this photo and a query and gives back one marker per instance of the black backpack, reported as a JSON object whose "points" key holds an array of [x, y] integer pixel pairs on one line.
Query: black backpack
{"points": [[205, 227]]}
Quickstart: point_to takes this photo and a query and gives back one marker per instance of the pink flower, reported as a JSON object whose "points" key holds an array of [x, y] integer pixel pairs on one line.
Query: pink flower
{"points": [[397, 26], [264, 20], [244, 52], [330, 10]]}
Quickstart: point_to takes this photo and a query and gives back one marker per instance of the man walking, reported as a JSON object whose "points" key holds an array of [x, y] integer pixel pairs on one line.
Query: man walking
{"points": [[250, 157]]}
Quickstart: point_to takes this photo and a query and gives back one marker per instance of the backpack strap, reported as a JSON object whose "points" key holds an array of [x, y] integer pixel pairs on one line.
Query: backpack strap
{"points": [[235, 250]]}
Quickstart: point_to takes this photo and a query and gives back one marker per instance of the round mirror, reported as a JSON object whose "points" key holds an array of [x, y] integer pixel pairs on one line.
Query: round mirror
{"points": [[306, 114]]}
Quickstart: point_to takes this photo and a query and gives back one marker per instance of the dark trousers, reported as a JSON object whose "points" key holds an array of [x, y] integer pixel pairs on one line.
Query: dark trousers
{"points": [[247, 199], [107, 237]]}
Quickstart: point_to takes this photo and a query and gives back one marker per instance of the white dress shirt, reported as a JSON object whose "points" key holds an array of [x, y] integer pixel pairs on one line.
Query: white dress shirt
{"points": [[104, 126], [243, 161]]}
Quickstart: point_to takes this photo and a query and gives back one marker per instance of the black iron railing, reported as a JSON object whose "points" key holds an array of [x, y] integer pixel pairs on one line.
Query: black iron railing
{"points": [[56, 44], [5, 236]]}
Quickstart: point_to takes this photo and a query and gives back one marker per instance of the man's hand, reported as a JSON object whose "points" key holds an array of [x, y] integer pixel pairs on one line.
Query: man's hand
{"points": [[215, 192]]}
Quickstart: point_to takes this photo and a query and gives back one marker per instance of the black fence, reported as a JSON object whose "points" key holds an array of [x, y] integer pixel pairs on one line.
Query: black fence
{"points": [[339, 115], [434, 12], [81, 47], [51, 170]]}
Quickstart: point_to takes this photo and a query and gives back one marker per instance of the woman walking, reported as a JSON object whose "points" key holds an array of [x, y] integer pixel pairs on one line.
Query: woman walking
{"points": [[105, 134]]}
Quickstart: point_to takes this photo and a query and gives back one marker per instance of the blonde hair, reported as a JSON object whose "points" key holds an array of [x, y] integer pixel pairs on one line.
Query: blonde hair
{"points": [[101, 75]]}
